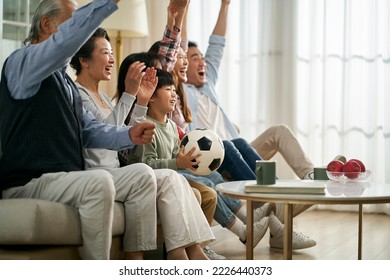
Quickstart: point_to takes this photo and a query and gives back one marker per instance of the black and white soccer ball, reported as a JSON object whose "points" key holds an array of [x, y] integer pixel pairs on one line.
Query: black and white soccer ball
{"points": [[209, 145]]}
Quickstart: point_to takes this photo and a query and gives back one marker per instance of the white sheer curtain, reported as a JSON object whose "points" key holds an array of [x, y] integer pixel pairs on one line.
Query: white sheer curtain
{"points": [[256, 83], [342, 75], [320, 66], [342, 70]]}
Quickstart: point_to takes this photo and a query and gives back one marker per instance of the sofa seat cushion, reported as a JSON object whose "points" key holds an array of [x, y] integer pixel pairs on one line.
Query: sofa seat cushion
{"points": [[40, 222]]}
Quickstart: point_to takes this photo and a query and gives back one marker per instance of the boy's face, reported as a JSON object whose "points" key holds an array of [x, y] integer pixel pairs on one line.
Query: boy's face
{"points": [[196, 72], [164, 99]]}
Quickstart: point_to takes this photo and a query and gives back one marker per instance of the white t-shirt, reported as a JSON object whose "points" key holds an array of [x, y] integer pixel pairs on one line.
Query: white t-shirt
{"points": [[210, 116]]}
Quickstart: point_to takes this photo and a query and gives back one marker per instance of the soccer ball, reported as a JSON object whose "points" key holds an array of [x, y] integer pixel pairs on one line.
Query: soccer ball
{"points": [[209, 145]]}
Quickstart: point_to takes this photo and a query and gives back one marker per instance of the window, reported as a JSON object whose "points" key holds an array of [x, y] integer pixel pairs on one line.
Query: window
{"points": [[319, 66], [15, 18]]}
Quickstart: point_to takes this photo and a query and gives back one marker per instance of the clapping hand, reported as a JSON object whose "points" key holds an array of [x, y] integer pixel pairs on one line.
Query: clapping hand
{"points": [[133, 77], [147, 86]]}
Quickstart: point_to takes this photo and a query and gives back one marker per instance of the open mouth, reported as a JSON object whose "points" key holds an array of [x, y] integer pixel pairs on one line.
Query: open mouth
{"points": [[108, 69], [183, 71], [202, 71]]}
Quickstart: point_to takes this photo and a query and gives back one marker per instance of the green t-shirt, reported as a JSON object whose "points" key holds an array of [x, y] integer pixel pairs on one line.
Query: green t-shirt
{"points": [[163, 150]]}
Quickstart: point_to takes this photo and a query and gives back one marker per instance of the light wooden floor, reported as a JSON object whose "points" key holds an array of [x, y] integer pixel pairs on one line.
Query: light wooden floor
{"points": [[335, 233]]}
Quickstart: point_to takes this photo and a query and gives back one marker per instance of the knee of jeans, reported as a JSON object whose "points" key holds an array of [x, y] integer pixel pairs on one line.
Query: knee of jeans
{"points": [[240, 142], [228, 145], [231, 150]]}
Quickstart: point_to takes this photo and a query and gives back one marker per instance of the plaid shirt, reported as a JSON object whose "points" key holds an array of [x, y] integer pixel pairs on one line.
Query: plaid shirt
{"points": [[169, 46]]}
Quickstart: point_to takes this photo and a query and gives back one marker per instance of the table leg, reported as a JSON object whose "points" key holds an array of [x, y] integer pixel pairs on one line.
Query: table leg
{"points": [[249, 230], [288, 230], [360, 232]]}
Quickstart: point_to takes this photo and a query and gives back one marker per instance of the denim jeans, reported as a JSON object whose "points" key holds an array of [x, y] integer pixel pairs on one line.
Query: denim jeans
{"points": [[240, 160], [226, 206]]}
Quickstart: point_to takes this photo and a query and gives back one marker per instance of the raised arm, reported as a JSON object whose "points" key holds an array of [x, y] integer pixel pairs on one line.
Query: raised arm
{"points": [[56, 50], [178, 8], [221, 25], [169, 44], [184, 33]]}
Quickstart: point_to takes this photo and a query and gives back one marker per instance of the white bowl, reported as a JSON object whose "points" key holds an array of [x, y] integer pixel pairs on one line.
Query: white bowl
{"points": [[349, 176]]}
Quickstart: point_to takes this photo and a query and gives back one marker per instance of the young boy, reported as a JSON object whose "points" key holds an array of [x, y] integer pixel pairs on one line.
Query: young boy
{"points": [[165, 152]]}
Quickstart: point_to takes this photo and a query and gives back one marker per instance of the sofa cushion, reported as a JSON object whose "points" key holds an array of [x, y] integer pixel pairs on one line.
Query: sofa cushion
{"points": [[33, 221]]}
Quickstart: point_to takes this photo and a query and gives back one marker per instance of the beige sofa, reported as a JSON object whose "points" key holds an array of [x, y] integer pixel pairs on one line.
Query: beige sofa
{"points": [[42, 230]]}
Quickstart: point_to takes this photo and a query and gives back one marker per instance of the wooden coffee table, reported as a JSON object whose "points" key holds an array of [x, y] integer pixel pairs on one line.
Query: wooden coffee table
{"points": [[358, 193]]}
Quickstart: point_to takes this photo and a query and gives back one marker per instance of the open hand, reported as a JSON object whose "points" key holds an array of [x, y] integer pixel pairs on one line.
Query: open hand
{"points": [[188, 160], [176, 5], [134, 77], [147, 87]]}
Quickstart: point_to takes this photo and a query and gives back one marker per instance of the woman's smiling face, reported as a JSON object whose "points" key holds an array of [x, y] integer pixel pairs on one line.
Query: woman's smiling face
{"points": [[102, 61], [181, 66]]}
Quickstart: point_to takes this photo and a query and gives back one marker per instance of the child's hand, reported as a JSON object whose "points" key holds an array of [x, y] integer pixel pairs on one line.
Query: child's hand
{"points": [[134, 77], [147, 86], [188, 160]]}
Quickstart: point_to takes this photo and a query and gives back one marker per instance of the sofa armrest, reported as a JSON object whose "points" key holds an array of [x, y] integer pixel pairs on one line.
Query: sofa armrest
{"points": [[33, 222]]}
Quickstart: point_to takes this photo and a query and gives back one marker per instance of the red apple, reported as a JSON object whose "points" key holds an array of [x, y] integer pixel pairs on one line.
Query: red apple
{"points": [[362, 167], [351, 169], [335, 166]]}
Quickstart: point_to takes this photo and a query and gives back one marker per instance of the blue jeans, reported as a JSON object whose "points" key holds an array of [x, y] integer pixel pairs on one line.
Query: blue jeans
{"points": [[226, 206], [240, 160]]}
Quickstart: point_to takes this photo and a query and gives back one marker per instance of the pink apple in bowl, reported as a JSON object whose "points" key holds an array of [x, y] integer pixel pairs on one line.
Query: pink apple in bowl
{"points": [[362, 167], [351, 169], [335, 167]]}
